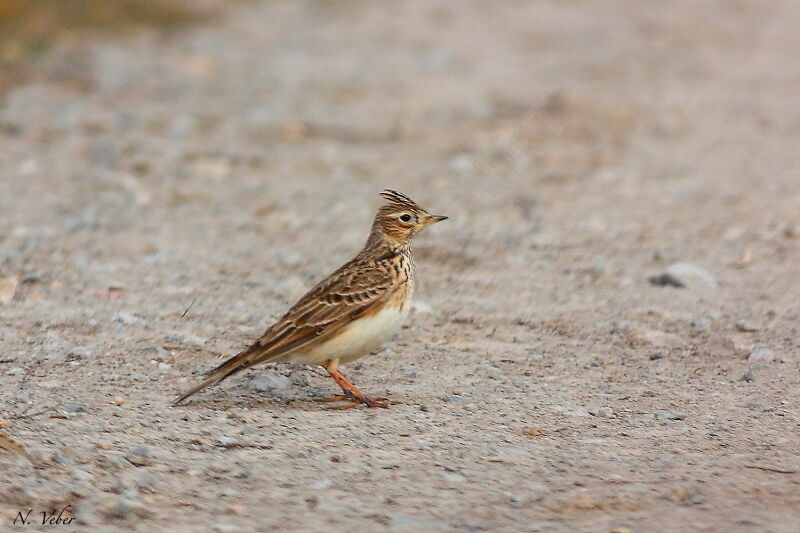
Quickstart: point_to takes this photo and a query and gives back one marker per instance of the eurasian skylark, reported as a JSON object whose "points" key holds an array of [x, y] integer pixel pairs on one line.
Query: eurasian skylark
{"points": [[349, 314]]}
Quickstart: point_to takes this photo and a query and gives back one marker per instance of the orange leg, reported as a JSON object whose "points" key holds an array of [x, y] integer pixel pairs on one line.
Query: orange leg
{"points": [[352, 395]]}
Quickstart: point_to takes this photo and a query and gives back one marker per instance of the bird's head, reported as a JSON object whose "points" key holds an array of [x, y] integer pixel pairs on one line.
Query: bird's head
{"points": [[400, 218]]}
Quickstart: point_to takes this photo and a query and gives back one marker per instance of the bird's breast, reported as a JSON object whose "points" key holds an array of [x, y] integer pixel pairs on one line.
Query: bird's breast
{"points": [[365, 334]]}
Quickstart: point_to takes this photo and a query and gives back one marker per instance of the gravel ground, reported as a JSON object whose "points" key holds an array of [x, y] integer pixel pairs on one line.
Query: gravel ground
{"points": [[559, 373]]}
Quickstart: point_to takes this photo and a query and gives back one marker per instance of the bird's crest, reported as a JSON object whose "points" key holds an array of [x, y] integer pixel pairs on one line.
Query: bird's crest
{"points": [[398, 199]]}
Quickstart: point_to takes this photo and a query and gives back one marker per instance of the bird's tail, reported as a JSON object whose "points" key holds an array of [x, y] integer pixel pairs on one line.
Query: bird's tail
{"points": [[236, 363]]}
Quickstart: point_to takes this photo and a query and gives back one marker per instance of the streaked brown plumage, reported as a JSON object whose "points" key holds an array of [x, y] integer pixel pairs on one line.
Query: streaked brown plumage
{"points": [[350, 313]]}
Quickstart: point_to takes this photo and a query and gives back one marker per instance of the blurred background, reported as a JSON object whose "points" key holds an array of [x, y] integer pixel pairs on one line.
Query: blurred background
{"points": [[606, 333]]}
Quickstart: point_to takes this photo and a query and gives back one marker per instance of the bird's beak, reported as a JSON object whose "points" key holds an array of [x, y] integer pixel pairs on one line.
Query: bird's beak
{"points": [[432, 219]]}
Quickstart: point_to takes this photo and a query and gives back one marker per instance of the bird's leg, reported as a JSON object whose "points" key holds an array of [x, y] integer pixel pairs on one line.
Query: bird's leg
{"points": [[351, 393]]}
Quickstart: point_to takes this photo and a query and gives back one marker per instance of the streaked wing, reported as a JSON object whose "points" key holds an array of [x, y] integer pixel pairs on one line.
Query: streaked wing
{"points": [[347, 294]]}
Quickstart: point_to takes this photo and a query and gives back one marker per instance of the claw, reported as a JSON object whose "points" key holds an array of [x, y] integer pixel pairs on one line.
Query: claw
{"points": [[337, 398], [376, 402]]}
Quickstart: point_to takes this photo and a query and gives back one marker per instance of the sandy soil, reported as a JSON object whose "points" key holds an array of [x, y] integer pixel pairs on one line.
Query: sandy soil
{"points": [[544, 383]]}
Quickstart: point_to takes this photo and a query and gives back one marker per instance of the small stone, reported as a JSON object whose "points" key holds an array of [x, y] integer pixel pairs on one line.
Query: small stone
{"points": [[411, 375], [228, 492], [404, 523], [128, 318], [270, 381], [748, 376], [227, 441], [75, 407], [656, 356], [533, 432], [490, 369], [452, 399], [655, 338], [119, 400], [747, 327], [605, 412], [669, 415], [16, 371], [598, 267], [521, 500], [700, 324], [321, 484], [739, 344], [184, 338], [81, 353], [762, 354], [452, 477], [225, 528], [684, 275], [124, 508], [139, 456]]}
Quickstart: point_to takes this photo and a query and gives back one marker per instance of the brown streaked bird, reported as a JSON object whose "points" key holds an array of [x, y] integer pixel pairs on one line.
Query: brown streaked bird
{"points": [[349, 314]]}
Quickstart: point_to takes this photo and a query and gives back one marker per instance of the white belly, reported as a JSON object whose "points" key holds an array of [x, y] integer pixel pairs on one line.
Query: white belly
{"points": [[360, 338]]}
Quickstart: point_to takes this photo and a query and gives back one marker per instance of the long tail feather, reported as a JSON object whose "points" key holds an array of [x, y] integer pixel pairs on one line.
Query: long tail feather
{"points": [[238, 362]]}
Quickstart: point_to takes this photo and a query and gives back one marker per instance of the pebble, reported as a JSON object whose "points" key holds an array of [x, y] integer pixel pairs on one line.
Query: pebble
{"points": [[227, 441], [791, 231], [407, 523], [700, 324], [669, 415], [656, 356], [81, 353], [605, 412], [185, 338], [321, 484], [228, 492], [598, 267], [225, 528], [16, 371], [128, 318], [490, 369], [269, 381], [748, 376], [656, 338], [739, 344], [139, 456], [452, 477], [747, 327], [684, 275], [75, 407], [762, 354], [124, 508]]}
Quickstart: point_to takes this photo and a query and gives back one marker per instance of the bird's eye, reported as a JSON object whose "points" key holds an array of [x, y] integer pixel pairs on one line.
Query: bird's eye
{"points": [[405, 218]]}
